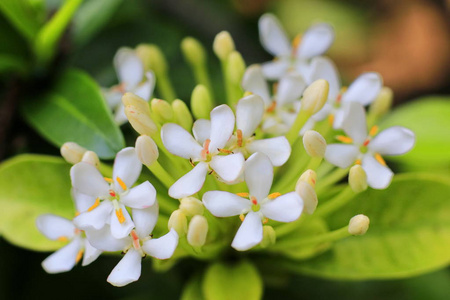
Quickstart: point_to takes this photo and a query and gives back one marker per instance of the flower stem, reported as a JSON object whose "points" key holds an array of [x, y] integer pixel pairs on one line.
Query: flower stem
{"points": [[335, 203], [161, 174], [299, 122], [165, 87], [331, 179]]}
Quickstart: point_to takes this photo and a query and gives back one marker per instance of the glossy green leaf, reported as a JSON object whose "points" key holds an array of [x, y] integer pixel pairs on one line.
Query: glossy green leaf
{"points": [[232, 281], [22, 15], [430, 121], [12, 63], [32, 185], [409, 233], [75, 111], [193, 289]]}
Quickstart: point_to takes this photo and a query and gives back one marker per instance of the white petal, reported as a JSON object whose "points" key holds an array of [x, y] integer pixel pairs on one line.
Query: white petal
{"points": [[145, 89], [249, 114], [364, 89], [258, 175], [355, 124], [339, 117], [121, 230], [163, 247], [103, 240], [145, 220], [54, 227], [316, 40], [129, 67], [201, 130], [96, 218], [275, 69], [64, 259], [290, 88], [225, 204], [254, 82], [141, 196], [112, 97], [277, 149], [179, 142], [90, 253], [82, 201], [119, 115], [249, 234], [88, 180], [127, 166], [285, 208], [324, 68], [228, 167], [190, 183], [378, 176], [308, 125], [272, 36], [127, 270], [323, 113], [341, 155], [393, 141], [222, 127]]}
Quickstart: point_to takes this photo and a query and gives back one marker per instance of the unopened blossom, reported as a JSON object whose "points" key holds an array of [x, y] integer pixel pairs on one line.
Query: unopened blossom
{"points": [[206, 149], [61, 229], [130, 72], [280, 110], [367, 148], [255, 207], [112, 195], [314, 42]]}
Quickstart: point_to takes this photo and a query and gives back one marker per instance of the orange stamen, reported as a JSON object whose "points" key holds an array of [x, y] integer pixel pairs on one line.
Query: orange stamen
{"points": [[265, 220], [241, 216], [225, 151], [366, 142], [205, 150], [239, 137], [344, 139], [121, 183], [358, 162], [135, 237], [339, 98], [272, 106], [97, 203], [112, 193], [380, 159], [296, 43], [120, 216], [77, 213], [254, 200], [373, 130], [63, 239], [274, 195], [108, 180], [79, 256], [245, 195], [331, 119]]}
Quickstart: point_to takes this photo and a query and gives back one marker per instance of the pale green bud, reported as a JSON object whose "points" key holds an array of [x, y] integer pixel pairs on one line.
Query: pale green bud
{"points": [[141, 122], [314, 143], [152, 58], [72, 152], [91, 158], [269, 236], [201, 102], [235, 67], [162, 110], [191, 206], [382, 103], [357, 179], [309, 176], [178, 221], [182, 114], [315, 96], [146, 150], [308, 194], [198, 230], [358, 225], [223, 45], [193, 51]]}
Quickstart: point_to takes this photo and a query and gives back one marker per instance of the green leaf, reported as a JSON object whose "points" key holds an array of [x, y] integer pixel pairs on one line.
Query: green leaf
{"points": [[409, 233], [32, 185], [12, 63], [22, 15], [193, 289], [75, 111], [429, 119], [231, 281]]}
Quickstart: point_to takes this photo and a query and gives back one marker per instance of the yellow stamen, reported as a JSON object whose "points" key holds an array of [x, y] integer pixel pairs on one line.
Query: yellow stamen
{"points": [[373, 130], [331, 119], [358, 162], [265, 220], [344, 139], [247, 93], [79, 256], [108, 180], [245, 195], [97, 203], [343, 89], [274, 195], [239, 137], [63, 239], [272, 106], [119, 215], [295, 43], [77, 213], [380, 159], [122, 184], [225, 151], [241, 216]]}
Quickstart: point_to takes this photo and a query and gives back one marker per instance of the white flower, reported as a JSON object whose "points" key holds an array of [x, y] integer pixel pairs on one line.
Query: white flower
{"points": [[260, 205], [281, 109], [112, 195], [58, 228], [315, 41], [130, 71], [367, 149], [210, 139]]}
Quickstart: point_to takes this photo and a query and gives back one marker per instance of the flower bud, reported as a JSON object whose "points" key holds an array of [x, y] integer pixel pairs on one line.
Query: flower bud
{"points": [[136, 101], [141, 122], [72, 152], [223, 45], [91, 158], [382, 103], [308, 194], [198, 229], [269, 236], [357, 179], [152, 58], [162, 110], [191, 206], [235, 67], [178, 221], [358, 225], [193, 51], [182, 114], [315, 96], [201, 102], [309, 176], [146, 150], [314, 143]]}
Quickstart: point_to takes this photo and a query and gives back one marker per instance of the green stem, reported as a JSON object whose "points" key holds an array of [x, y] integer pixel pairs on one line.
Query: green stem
{"points": [[201, 77], [299, 122], [161, 174], [164, 86], [335, 203], [330, 179]]}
